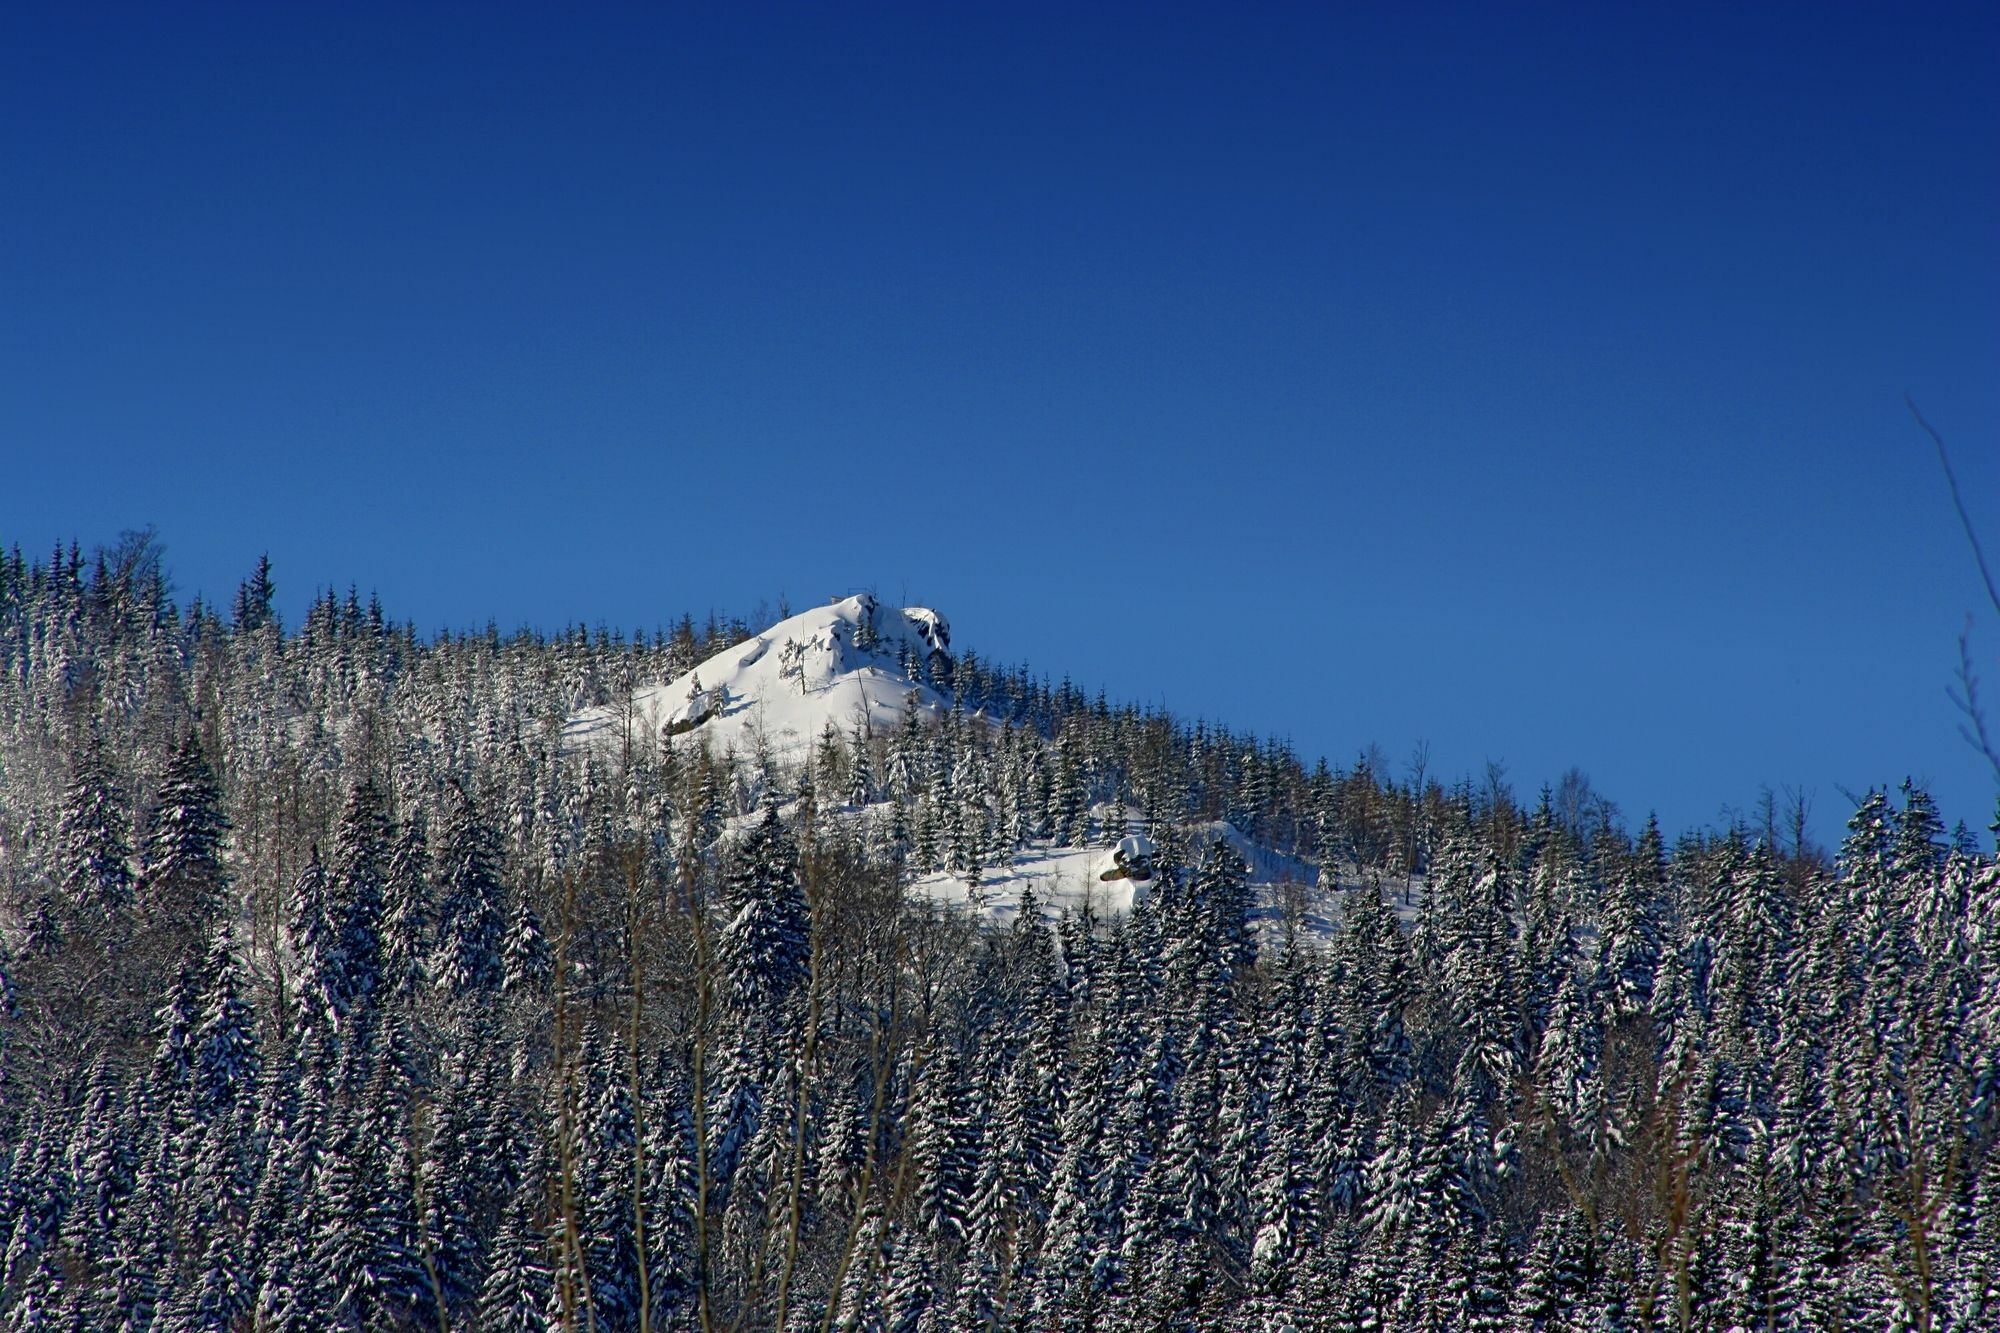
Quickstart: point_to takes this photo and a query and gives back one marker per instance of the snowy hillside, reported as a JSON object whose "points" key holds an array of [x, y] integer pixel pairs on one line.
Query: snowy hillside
{"points": [[856, 665], [1069, 878], [849, 663]]}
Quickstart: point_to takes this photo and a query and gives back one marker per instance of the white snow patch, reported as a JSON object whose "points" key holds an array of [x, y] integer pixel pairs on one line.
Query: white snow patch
{"points": [[1067, 878]]}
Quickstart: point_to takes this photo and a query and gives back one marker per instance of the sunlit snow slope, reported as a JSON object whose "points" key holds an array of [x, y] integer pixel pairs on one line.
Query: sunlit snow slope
{"points": [[1071, 878], [842, 663]]}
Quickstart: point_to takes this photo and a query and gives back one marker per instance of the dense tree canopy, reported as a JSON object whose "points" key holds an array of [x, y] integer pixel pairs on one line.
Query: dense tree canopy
{"points": [[335, 991]]}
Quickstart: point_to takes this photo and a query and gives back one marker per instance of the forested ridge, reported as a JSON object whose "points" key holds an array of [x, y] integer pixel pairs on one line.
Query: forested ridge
{"points": [[341, 992]]}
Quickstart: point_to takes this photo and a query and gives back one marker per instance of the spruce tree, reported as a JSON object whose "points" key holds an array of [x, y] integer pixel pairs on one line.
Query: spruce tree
{"points": [[225, 1038], [471, 922], [406, 914], [763, 944], [313, 939], [183, 876], [526, 959], [517, 1291], [92, 842], [356, 900]]}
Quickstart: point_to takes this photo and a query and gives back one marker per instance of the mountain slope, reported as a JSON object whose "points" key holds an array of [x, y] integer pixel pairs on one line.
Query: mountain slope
{"points": [[856, 665]]}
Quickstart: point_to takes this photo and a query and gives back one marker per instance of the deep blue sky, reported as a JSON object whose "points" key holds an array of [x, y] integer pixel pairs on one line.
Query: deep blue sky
{"points": [[1527, 382]]}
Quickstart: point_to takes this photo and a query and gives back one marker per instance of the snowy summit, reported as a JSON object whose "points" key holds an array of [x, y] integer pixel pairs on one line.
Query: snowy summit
{"points": [[853, 663]]}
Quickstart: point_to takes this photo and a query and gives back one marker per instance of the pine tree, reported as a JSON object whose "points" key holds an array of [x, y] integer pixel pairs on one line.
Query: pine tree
{"points": [[225, 1039], [1630, 954], [518, 1290], [527, 962], [313, 938], [860, 770], [184, 877], [763, 945], [92, 842], [1222, 893], [406, 916], [357, 889], [939, 1155], [471, 924], [253, 598]]}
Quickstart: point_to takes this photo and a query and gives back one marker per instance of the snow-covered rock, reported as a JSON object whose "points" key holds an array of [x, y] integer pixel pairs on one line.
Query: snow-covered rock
{"points": [[845, 663], [1131, 859]]}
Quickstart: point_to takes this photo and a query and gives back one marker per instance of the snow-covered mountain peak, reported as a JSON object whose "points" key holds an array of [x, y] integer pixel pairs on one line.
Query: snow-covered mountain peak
{"points": [[853, 663]]}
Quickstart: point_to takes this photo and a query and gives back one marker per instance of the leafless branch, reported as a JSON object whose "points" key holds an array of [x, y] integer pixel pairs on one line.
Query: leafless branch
{"points": [[1958, 503], [1966, 698]]}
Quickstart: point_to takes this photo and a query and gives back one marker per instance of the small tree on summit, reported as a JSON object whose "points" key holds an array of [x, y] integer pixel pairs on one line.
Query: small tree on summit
{"points": [[792, 662]]}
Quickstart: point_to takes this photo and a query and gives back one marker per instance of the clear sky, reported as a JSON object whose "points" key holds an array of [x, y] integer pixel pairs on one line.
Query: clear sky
{"points": [[1526, 379]]}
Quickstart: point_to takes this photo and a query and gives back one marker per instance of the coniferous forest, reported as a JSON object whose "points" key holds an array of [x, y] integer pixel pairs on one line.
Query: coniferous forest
{"points": [[342, 992]]}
